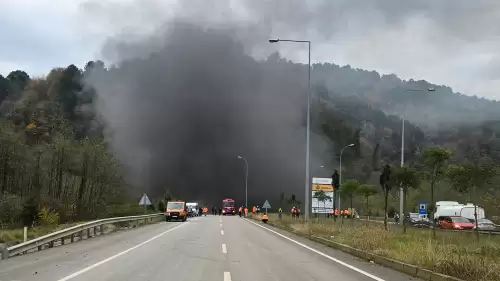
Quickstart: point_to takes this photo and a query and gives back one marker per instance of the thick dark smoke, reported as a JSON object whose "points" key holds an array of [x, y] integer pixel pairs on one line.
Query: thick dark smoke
{"points": [[180, 115]]}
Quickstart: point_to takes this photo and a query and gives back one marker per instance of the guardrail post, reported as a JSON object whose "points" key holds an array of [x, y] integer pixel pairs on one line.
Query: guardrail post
{"points": [[51, 244], [5, 252], [72, 238], [40, 248], [62, 240], [101, 229], [95, 230], [82, 233], [88, 233]]}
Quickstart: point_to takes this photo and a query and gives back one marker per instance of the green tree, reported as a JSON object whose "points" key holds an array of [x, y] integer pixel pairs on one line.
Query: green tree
{"points": [[435, 159], [468, 176], [348, 190], [282, 199], [386, 184], [367, 191], [407, 178], [161, 206]]}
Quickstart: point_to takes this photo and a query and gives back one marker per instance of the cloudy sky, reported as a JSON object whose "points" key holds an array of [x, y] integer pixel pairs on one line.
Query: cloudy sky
{"points": [[451, 42]]}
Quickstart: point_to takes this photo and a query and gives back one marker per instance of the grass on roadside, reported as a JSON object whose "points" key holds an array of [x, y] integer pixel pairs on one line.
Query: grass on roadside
{"points": [[452, 253], [17, 235]]}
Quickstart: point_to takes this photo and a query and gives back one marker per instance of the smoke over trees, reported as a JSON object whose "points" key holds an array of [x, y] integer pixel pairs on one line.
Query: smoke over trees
{"points": [[180, 115]]}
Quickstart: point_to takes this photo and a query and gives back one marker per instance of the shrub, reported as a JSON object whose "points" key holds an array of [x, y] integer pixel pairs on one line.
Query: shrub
{"points": [[48, 217]]}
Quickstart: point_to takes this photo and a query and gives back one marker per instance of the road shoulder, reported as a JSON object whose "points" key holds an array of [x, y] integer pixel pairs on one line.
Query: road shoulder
{"points": [[369, 267]]}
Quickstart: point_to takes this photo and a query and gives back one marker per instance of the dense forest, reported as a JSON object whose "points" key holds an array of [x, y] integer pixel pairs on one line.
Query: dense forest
{"points": [[55, 152]]}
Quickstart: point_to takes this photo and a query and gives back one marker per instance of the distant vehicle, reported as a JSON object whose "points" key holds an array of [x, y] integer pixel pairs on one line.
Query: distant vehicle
{"points": [[193, 209], [176, 210], [455, 209], [485, 225], [458, 223], [417, 220], [228, 207]]}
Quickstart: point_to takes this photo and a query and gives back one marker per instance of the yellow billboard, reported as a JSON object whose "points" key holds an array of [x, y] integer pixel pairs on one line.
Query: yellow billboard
{"points": [[324, 187]]}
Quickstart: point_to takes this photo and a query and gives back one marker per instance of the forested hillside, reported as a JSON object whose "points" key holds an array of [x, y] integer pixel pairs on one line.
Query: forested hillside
{"points": [[54, 153]]}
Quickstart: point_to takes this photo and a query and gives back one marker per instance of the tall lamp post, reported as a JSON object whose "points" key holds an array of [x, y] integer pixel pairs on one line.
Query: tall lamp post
{"points": [[246, 181], [307, 187], [340, 168], [401, 191]]}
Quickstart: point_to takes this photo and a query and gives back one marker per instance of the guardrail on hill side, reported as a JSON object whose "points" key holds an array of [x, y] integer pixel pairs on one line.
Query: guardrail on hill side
{"points": [[71, 232]]}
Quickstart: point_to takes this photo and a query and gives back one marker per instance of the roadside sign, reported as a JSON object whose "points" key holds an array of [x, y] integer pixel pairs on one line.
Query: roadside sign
{"points": [[145, 200], [266, 205], [325, 185], [422, 208]]}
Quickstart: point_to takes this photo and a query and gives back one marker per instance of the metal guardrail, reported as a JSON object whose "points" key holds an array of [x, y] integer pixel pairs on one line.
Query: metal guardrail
{"points": [[71, 232]]}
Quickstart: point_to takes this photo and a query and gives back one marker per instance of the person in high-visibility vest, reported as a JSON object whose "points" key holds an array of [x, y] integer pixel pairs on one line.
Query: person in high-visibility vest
{"points": [[246, 211], [264, 218], [240, 210]]}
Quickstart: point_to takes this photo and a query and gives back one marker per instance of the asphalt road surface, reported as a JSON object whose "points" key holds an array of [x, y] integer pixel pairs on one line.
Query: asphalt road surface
{"points": [[210, 248]]}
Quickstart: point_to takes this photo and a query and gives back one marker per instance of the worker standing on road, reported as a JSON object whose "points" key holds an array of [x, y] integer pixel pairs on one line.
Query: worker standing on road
{"points": [[254, 209], [239, 211], [246, 212]]}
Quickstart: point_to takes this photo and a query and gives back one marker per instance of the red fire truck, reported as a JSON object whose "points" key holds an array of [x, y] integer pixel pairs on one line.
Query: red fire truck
{"points": [[228, 206]]}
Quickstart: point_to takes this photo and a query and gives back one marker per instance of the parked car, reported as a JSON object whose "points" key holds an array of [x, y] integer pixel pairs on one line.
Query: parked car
{"points": [[415, 220], [457, 223], [485, 225]]}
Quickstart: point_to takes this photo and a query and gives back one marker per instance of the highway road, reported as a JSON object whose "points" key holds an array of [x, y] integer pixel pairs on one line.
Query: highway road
{"points": [[208, 248]]}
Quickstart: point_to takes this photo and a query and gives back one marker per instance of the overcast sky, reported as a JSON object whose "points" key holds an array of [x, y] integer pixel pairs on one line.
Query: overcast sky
{"points": [[451, 42]]}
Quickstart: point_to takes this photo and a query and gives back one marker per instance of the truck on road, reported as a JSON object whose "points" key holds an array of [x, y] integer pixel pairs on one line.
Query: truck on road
{"points": [[176, 210], [228, 207], [193, 209]]}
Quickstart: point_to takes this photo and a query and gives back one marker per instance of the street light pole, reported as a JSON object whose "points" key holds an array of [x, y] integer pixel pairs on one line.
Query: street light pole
{"points": [[401, 191], [307, 187], [340, 172], [246, 181]]}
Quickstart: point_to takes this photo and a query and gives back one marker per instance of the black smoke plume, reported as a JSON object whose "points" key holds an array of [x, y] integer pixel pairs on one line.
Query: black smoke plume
{"points": [[180, 113]]}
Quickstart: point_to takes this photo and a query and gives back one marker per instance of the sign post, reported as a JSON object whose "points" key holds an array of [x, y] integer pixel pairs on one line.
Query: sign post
{"points": [[422, 208], [325, 185], [266, 206], [145, 202]]}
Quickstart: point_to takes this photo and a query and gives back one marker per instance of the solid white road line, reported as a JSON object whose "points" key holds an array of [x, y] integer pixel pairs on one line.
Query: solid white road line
{"points": [[71, 276], [224, 249], [322, 254], [220, 225], [221, 232], [227, 276]]}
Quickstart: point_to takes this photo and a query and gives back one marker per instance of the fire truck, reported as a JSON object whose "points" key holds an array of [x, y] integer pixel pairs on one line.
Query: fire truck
{"points": [[228, 206]]}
